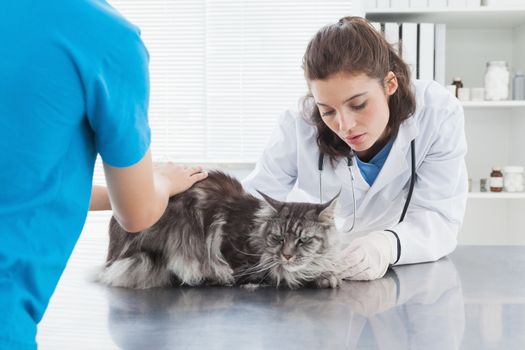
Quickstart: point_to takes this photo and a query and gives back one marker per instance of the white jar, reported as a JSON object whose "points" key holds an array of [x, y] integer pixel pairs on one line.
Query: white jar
{"points": [[497, 78], [513, 178]]}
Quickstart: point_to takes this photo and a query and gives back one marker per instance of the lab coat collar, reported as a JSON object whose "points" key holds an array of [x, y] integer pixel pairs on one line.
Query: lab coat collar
{"points": [[342, 172]]}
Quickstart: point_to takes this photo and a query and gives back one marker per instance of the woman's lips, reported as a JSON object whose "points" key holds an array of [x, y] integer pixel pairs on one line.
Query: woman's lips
{"points": [[356, 139]]}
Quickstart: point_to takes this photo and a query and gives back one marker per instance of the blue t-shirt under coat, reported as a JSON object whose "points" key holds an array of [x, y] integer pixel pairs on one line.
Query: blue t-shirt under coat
{"points": [[371, 169]]}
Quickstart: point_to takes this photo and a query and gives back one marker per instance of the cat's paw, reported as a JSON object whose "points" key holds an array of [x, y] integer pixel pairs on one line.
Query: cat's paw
{"points": [[328, 281]]}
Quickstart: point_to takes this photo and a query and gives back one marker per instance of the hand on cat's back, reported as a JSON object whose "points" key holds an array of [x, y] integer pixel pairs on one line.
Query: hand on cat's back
{"points": [[178, 178]]}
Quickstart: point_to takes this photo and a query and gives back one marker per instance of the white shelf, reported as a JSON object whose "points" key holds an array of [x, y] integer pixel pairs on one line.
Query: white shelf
{"points": [[493, 195], [483, 17], [493, 104]]}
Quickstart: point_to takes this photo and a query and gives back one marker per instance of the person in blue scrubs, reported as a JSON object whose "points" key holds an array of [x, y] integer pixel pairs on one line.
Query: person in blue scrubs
{"points": [[73, 83]]}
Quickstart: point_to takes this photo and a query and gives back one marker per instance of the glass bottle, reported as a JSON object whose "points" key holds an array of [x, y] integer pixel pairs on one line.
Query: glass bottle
{"points": [[497, 78], [496, 179], [458, 83], [518, 86], [483, 185], [513, 179]]}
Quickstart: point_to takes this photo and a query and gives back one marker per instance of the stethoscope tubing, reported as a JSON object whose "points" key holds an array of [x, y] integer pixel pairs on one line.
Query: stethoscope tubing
{"points": [[352, 180]]}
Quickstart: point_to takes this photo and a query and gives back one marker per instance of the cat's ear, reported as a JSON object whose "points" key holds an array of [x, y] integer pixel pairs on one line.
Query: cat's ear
{"points": [[326, 210], [275, 204]]}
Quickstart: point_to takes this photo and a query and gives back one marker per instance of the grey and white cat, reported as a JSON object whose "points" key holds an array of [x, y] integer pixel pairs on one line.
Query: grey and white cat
{"points": [[216, 233]]}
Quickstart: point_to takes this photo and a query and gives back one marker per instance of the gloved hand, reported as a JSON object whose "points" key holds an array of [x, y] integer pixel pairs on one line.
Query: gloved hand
{"points": [[368, 257]]}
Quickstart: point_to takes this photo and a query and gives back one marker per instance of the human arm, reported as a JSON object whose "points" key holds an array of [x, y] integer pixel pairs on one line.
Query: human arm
{"points": [[117, 93], [139, 194], [99, 199], [435, 213]]}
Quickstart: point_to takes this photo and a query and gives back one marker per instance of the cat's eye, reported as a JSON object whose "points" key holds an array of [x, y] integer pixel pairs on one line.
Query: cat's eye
{"points": [[278, 238], [304, 240]]}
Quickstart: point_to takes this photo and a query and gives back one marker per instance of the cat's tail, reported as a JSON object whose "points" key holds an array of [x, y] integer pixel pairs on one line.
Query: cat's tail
{"points": [[138, 271]]}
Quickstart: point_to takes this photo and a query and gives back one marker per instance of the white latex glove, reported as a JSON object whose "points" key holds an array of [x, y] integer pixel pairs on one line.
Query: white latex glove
{"points": [[368, 257]]}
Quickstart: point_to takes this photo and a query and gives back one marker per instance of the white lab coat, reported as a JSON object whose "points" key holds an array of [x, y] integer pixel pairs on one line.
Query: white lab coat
{"points": [[435, 214]]}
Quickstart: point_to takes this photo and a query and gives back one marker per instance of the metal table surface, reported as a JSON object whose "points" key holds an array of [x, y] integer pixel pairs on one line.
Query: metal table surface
{"points": [[474, 299]]}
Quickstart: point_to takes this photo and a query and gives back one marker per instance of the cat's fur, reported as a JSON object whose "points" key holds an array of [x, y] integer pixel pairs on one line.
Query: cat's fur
{"points": [[216, 233]]}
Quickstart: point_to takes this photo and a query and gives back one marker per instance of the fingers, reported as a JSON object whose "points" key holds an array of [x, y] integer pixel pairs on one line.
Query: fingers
{"points": [[357, 272], [365, 275], [353, 255], [368, 274], [196, 173], [194, 170], [354, 262], [199, 176]]}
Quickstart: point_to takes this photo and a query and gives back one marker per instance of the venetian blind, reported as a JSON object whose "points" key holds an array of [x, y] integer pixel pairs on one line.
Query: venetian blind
{"points": [[222, 70]]}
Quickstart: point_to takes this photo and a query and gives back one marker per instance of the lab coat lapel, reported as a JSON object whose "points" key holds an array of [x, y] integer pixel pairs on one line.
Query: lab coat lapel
{"points": [[343, 173], [397, 162]]}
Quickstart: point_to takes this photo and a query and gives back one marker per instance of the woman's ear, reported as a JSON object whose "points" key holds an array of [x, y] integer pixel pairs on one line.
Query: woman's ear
{"points": [[390, 83]]}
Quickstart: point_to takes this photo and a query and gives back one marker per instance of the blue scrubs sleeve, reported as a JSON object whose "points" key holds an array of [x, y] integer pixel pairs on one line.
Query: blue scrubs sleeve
{"points": [[117, 103]]}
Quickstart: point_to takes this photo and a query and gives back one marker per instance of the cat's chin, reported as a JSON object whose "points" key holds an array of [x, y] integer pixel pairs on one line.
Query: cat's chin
{"points": [[292, 267]]}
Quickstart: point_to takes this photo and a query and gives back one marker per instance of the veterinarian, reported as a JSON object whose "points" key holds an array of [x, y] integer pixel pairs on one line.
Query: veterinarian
{"points": [[393, 146], [74, 83]]}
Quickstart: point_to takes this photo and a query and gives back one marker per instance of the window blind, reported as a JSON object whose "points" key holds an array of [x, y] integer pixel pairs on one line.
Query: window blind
{"points": [[223, 70]]}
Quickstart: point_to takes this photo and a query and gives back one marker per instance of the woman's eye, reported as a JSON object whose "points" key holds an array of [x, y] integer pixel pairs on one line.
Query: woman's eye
{"points": [[360, 107], [327, 114]]}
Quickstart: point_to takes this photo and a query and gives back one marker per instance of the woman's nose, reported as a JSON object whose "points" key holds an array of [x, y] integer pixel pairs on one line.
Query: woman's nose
{"points": [[345, 122]]}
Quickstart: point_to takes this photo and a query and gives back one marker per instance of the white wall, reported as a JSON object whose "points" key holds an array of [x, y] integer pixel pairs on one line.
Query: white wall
{"points": [[468, 51]]}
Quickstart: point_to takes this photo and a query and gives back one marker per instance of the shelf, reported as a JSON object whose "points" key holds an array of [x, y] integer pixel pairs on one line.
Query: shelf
{"points": [[493, 104], [483, 17], [492, 195]]}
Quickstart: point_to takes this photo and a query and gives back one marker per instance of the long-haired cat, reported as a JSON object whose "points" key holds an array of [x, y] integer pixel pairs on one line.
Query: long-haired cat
{"points": [[217, 233]]}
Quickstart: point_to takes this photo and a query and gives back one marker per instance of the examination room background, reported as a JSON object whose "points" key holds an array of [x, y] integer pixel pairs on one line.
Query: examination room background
{"points": [[223, 70]]}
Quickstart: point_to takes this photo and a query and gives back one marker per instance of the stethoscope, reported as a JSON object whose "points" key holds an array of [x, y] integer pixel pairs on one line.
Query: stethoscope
{"points": [[350, 162]]}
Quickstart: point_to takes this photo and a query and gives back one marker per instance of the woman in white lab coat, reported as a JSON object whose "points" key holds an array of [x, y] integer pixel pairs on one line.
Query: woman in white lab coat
{"points": [[363, 113]]}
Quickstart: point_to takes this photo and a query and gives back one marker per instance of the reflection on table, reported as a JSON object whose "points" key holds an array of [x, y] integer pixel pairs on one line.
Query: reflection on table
{"points": [[412, 307]]}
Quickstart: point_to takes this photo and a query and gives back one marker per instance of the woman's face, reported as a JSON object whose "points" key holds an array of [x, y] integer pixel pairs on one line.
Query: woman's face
{"points": [[355, 107]]}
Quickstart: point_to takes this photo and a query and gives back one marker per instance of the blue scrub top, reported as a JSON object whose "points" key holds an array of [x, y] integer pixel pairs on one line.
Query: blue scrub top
{"points": [[371, 169], [73, 83]]}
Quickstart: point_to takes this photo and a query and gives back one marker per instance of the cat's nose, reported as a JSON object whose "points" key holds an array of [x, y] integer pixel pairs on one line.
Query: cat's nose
{"points": [[287, 256]]}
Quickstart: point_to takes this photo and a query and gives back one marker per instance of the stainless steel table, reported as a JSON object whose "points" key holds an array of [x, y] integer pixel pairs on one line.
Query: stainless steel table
{"points": [[474, 299]]}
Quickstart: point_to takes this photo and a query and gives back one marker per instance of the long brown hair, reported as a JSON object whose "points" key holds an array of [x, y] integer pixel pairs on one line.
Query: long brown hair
{"points": [[353, 46]]}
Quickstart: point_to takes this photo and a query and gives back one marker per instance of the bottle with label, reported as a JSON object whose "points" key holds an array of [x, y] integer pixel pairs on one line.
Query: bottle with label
{"points": [[496, 179], [518, 86], [483, 185], [458, 84]]}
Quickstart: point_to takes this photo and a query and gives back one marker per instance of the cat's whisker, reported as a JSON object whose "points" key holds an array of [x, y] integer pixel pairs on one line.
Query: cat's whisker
{"points": [[240, 251], [264, 277], [261, 267], [255, 269]]}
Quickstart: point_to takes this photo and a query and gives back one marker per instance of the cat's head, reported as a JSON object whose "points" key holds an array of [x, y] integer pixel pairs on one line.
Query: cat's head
{"points": [[297, 239]]}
